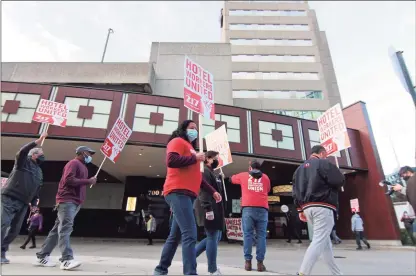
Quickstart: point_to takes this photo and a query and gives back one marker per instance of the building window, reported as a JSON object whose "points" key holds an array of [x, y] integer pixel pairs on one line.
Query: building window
{"points": [[272, 42], [275, 76], [266, 135], [303, 114], [269, 27], [276, 94], [100, 114], [266, 13], [272, 58], [142, 116], [315, 140], [233, 126], [26, 109]]}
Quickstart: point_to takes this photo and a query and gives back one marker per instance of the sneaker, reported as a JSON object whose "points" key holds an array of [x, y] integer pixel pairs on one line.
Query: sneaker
{"points": [[260, 266], [359, 248], [23, 247], [368, 246], [247, 265], [218, 272], [33, 246], [4, 260], [69, 265], [45, 262]]}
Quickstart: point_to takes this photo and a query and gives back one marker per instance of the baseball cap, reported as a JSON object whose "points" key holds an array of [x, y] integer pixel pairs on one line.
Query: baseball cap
{"points": [[83, 149]]}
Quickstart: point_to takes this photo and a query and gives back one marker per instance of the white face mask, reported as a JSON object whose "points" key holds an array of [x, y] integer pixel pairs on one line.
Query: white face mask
{"points": [[87, 159]]}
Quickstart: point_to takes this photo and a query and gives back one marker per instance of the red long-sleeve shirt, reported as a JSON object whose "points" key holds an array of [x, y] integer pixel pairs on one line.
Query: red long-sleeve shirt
{"points": [[72, 186]]}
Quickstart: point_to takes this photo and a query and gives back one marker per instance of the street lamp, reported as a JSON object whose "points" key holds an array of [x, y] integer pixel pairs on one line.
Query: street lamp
{"points": [[110, 31]]}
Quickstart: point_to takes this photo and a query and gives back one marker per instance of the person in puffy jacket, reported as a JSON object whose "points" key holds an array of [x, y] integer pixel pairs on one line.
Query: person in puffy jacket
{"points": [[21, 190], [315, 192], [357, 226]]}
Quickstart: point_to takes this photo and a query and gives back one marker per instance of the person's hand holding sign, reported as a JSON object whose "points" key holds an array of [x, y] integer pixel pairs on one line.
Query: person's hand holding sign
{"points": [[93, 180], [41, 138], [217, 196]]}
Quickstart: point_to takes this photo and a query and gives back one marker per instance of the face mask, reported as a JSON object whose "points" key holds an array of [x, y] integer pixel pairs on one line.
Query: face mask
{"points": [[40, 159], [192, 134], [87, 159], [407, 177], [214, 164]]}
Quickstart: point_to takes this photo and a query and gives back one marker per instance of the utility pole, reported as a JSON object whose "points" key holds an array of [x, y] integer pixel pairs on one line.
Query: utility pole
{"points": [[110, 31]]}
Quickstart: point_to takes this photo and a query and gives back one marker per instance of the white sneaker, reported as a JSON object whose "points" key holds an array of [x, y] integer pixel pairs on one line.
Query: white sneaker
{"points": [[45, 262], [69, 265], [218, 272]]}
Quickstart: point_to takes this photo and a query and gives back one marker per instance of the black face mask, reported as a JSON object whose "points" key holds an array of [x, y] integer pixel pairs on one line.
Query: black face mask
{"points": [[407, 177], [40, 159], [214, 164]]}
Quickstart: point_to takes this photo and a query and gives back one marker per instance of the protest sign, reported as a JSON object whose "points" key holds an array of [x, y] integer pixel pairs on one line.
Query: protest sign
{"points": [[198, 92], [355, 206], [52, 113], [115, 141], [218, 141], [234, 229], [333, 131]]}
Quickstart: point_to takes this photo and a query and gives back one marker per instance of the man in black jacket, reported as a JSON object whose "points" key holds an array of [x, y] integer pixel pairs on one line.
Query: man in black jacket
{"points": [[210, 214], [21, 189], [315, 191]]}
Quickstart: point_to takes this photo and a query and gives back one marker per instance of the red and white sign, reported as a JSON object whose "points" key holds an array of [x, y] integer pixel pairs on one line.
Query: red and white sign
{"points": [[333, 131], [218, 141], [3, 182], [355, 206], [198, 90], [115, 141], [51, 113], [234, 229]]}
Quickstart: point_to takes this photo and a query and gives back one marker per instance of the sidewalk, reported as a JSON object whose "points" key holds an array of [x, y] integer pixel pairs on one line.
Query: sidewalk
{"points": [[21, 265]]}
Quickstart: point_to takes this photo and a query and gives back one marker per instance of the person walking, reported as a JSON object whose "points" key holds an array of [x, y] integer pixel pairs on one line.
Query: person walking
{"points": [[408, 225], [357, 227], [35, 226], [292, 228], [255, 186], [315, 192], [69, 198], [151, 228], [210, 214], [182, 185], [21, 189]]}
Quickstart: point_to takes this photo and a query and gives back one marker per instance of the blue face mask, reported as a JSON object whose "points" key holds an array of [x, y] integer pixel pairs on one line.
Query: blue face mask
{"points": [[87, 159], [192, 134]]}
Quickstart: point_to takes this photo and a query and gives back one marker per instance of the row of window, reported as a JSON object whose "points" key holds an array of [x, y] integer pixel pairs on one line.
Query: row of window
{"points": [[275, 76], [303, 114], [272, 42], [269, 27], [276, 94], [266, 137], [266, 13], [272, 58]]}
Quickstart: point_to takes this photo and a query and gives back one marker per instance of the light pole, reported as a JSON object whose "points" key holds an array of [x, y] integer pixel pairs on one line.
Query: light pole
{"points": [[110, 31]]}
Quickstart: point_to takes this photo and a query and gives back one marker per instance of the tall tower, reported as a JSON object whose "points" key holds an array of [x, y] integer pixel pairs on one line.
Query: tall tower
{"points": [[280, 59]]}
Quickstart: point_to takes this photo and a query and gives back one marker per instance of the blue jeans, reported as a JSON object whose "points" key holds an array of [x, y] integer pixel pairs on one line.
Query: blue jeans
{"points": [[183, 227], [255, 218], [61, 232], [13, 214], [210, 245]]}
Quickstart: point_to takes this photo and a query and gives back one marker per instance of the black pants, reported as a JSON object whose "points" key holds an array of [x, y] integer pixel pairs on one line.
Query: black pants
{"points": [[410, 233], [359, 236], [31, 236], [149, 237], [292, 232]]}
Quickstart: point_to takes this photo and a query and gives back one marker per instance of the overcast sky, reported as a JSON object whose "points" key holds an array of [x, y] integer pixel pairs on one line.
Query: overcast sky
{"points": [[359, 34]]}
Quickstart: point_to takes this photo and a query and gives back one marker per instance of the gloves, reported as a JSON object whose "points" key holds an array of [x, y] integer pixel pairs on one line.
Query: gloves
{"points": [[209, 215]]}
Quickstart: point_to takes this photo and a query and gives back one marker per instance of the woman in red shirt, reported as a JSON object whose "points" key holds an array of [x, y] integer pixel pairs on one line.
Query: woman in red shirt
{"points": [[182, 184]]}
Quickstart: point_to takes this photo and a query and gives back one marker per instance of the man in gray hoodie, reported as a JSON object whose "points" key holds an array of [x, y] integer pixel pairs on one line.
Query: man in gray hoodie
{"points": [[357, 226]]}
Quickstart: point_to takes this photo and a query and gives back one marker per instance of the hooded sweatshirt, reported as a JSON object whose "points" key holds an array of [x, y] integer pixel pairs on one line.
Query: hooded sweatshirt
{"points": [[357, 224], [255, 187]]}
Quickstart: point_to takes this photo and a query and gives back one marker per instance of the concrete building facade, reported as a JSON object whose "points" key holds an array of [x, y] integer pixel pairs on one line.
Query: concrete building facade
{"points": [[280, 59]]}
